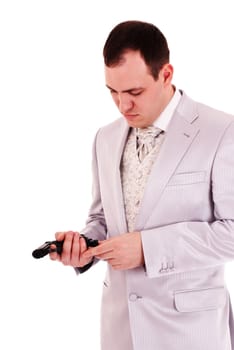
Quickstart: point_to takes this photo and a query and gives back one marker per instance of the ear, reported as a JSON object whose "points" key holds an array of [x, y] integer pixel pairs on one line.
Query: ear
{"points": [[167, 73]]}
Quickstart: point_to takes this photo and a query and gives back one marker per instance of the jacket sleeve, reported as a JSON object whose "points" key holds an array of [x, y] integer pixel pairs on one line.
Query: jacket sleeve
{"points": [[95, 225], [188, 246]]}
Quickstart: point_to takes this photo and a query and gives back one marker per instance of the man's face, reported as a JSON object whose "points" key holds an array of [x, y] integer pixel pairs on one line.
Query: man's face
{"points": [[139, 97]]}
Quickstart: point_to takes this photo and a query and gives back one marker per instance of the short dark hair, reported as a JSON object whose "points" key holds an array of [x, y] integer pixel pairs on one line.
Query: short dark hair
{"points": [[137, 36]]}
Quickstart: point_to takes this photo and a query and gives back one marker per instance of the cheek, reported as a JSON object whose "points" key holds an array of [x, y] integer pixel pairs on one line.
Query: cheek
{"points": [[152, 102], [143, 104]]}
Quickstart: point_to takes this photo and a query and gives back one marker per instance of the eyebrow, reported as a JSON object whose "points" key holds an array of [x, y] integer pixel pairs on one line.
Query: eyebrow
{"points": [[128, 90]]}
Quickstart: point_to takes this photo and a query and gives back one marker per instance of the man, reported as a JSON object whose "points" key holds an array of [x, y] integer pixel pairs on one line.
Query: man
{"points": [[163, 206]]}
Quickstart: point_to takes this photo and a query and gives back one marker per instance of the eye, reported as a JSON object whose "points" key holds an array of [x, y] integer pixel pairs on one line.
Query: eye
{"points": [[136, 93], [112, 92]]}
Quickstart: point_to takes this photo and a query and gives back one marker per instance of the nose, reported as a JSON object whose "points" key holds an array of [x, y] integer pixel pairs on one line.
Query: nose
{"points": [[125, 103]]}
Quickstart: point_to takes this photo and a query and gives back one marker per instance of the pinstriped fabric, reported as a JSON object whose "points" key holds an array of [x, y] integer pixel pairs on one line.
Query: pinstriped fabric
{"points": [[186, 213], [134, 175], [191, 329]]}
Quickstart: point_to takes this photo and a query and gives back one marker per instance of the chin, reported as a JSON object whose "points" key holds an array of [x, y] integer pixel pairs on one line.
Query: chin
{"points": [[138, 125], [137, 121], [134, 123]]}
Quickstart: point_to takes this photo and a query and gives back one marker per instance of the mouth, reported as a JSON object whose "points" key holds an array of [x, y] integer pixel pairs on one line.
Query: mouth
{"points": [[130, 116]]}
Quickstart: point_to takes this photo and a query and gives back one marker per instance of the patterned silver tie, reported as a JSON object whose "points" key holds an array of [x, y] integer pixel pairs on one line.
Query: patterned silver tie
{"points": [[146, 140]]}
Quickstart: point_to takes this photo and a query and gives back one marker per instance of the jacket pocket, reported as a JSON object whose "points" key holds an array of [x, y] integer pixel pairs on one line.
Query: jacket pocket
{"points": [[200, 300], [187, 178]]}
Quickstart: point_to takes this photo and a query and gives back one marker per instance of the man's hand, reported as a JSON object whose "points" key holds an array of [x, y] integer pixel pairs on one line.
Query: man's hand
{"points": [[73, 248], [121, 252]]}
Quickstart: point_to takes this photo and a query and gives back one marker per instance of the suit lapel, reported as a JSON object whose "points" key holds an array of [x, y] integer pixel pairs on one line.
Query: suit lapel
{"points": [[118, 201], [180, 134]]}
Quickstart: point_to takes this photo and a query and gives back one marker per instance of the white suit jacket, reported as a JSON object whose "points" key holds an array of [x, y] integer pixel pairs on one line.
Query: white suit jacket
{"points": [[178, 300]]}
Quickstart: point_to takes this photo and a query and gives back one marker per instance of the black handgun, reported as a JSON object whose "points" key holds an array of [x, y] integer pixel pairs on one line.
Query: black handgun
{"points": [[45, 248]]}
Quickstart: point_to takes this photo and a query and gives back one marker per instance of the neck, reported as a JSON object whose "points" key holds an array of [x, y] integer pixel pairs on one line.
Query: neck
{"points": [[168, 96], [166, 99]]}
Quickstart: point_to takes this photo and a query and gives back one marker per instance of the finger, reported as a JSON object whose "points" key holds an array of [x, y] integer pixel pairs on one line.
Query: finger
{"points": [[83, 260], [116, 266], [105, 256], [83, 245], [59, 236], [99, 250], [54, 255], [67, 248], [75, 250]]}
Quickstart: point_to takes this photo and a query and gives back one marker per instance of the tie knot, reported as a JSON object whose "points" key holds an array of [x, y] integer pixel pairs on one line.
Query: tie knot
{"points": [[147, 135], [146, 140]]}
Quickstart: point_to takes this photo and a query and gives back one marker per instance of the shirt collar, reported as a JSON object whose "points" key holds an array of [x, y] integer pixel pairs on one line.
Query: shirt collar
{"points": [[164, 118]]}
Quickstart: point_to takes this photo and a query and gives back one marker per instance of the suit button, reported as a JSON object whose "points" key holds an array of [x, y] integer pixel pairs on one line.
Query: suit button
{"points": [[133, 297]]}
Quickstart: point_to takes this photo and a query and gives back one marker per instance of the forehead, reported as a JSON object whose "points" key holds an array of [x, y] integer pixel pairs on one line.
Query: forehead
{"points": [[131, 71]]}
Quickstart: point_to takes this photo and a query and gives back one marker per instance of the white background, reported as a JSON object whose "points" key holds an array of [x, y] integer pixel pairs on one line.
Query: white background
{"points": [[52, 101]]}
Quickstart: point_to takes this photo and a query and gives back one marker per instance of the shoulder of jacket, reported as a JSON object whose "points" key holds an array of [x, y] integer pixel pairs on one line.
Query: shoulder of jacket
{"points": [[115, 127], [207, 113]]}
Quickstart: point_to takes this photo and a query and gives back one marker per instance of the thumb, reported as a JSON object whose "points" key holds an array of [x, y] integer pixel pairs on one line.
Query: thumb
{"points": [[60, 236]]}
